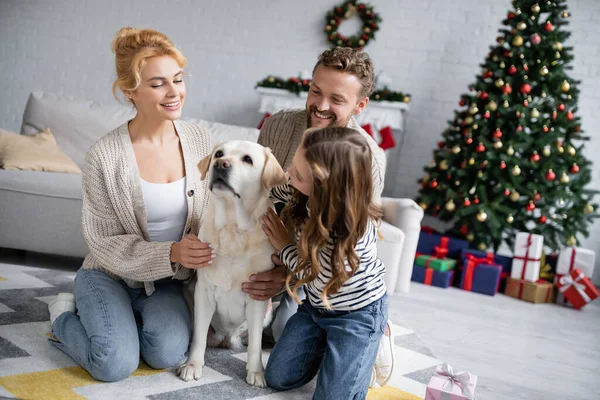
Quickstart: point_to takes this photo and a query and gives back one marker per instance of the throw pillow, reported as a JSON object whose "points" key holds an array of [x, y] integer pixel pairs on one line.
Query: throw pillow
{"points": [[37, 152]]}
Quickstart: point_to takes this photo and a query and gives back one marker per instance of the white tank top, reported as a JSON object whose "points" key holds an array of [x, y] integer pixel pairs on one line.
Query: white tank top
{"points": [[166, 209]]}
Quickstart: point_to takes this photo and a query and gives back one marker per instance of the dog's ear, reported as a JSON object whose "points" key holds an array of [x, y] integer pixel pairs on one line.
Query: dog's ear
{"points": [[204, 165], [273, 174]]}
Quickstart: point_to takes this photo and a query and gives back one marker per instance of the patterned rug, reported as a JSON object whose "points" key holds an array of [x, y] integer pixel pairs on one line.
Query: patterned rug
{"points": [[31, 368]]}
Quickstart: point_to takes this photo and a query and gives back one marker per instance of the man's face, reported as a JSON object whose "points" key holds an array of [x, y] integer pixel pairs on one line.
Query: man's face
{"points": [[333, 98]]}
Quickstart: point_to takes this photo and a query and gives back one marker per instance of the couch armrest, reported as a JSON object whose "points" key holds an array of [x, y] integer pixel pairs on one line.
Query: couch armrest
{"points": [[406, 215], [389, 250]]}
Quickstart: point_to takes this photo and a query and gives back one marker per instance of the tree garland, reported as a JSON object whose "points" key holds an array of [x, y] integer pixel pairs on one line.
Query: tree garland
{"points": [[297, 85], [345, 11]]}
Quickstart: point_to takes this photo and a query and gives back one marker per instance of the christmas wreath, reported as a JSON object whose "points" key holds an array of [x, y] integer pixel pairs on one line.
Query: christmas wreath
{"points": [[347, 10]]}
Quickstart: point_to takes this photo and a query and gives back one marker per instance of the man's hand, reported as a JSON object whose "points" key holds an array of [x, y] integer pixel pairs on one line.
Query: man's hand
{"points": [[264, 285]]}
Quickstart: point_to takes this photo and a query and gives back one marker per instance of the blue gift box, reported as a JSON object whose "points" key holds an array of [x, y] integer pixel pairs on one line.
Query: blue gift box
{"points": [[485, 278], [438, 278], [428, 241], [503, 261]]}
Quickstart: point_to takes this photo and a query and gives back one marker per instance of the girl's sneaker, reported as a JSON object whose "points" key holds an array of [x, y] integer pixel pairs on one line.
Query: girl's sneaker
{"points": [[63, 302], [384, 363]]}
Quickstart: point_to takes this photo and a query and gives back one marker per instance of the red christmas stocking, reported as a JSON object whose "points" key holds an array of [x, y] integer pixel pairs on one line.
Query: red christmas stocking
{"points": [[387, 138], [262, 121], [368, 129]]}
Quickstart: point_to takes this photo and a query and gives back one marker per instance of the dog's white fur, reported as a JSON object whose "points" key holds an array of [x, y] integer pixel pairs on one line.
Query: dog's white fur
{"points": [[232, 225]]}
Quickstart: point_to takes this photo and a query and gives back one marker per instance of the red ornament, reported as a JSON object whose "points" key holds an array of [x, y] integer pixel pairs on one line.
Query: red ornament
{"points": [[530, 206], [561, 107], [441, 144], [464, 229], [543, 219], [467, 202], [476, 200], [535, 39], [519, 128], [506, 192], [497, 133], [488, 74], [525, 103], [483, 95], [506, 53], [550, 175], [433, 184], [461, 103], [480, 148], [545, 128], [570, 116], [512, 70], [535, 157], [525, 88], [574, 169], [525, 67], [484, 164], [507, 89], [469, 140], [554, 114], [486, 115], [548, 26], [537, 197], [502, 165], [510, 15]]}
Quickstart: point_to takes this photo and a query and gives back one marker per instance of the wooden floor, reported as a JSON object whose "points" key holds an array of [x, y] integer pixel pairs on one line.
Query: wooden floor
{"points": [[518, 350]]}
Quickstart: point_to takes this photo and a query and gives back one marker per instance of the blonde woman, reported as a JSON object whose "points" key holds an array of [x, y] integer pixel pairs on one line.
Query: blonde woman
{"points": [[143, 202]]}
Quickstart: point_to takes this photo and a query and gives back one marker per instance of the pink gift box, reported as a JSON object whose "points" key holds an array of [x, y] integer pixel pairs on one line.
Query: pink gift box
{"points": [[445, 384]]}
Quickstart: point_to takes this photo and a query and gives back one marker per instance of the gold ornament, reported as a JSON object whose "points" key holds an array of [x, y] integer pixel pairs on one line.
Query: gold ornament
{"points": [[572, 241], [535, 8], [564, 178], [502, 65], [497, 145], [516, 171], [482, 216], [557, 55], [535, 113], [544, 71], [571, 150], [425, 178], [505, 104], [480, 174], [521, 26], [367, 30], [510, 219], [456, 149], [471, 161], [521, 56], [517, 41], [544, 94], [361, 42], [561, 149], [492, 105], [510, 151], [450, 206], [482, 246], [443, 165], [546, 152], [423, 205], [565, 86], [328, 28], [565, 14], [470, 237], [469, 120], [561, 202], [456, 183], [473, 109], [499, 82], [588, 209], [406, 99], [557, 46], [475, 127], [514, 196]]}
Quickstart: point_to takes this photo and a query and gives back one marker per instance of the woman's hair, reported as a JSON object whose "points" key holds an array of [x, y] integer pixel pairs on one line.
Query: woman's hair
{"points": [[340, 206], [132, 47]]}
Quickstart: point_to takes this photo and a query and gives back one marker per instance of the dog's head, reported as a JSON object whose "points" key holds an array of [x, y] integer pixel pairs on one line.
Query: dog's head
{"points": [[241, 169]]}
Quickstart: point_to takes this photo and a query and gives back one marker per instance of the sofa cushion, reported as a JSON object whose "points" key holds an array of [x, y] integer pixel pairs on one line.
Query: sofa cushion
{"points": [[76, 124], [222, 132], [34, 153], [51, 184]]}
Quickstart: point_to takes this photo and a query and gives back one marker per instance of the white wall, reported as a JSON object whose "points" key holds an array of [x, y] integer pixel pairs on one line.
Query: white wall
{"points": [[431, 49]]}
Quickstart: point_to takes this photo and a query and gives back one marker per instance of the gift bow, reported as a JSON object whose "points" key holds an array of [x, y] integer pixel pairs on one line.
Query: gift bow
{"points": [[441, 251], [462, 379], [567, 281], [546, 272]]}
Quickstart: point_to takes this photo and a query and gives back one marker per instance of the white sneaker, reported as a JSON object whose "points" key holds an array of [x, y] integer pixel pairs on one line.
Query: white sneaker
{"points": [[384, 363], [61, 303]]}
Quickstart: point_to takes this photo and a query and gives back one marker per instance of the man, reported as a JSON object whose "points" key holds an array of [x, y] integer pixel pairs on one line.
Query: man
{"points": [[343, 80]]}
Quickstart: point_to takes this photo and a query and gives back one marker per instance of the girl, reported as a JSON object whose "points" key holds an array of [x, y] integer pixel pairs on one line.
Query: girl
{"points": [[337, 330]]}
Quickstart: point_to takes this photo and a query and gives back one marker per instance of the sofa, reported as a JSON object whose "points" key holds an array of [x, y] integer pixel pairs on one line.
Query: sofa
{"points": [[41, 211]]}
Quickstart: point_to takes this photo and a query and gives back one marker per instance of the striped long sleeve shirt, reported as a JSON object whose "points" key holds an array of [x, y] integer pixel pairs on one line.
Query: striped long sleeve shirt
{"points": [[361, 289]]}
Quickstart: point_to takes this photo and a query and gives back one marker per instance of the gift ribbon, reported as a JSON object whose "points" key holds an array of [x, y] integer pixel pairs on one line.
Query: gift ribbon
{"points": [[525, 260], [472, 263], [572, 263], [441, 251], [462, 379], [566, 281], [549, 291], [428, 276]]}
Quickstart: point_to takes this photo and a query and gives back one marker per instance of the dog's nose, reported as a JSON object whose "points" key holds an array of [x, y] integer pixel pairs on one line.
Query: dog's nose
{"points": [[222, 164]]}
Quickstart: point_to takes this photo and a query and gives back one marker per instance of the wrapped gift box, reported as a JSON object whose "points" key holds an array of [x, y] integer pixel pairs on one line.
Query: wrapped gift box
{"points": [[527, 254], [576, 257], [480, 275], [439, 245], [429, 276], [577, 288], [445, 384], [533, 292], [439, 264]]}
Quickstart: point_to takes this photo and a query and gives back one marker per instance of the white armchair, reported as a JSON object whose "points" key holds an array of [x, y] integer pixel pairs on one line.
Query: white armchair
{"points": [[398, 242]]}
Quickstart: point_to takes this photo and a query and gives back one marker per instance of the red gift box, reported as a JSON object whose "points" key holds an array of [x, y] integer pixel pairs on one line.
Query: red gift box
{"points": [[577, 288]]}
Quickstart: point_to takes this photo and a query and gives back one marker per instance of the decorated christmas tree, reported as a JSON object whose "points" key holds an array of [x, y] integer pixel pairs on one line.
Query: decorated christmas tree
{"points": [[511, 159]]}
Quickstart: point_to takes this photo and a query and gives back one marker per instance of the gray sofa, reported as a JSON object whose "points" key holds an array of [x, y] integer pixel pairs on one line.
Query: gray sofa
{"points": [[41, 211]]}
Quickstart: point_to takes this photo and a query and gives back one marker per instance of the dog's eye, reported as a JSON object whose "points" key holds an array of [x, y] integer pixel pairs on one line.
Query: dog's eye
{"points": [[247, 160], [218, 154]]}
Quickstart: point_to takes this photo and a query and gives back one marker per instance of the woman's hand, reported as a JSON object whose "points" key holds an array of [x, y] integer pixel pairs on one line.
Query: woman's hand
{"points": [[275, 230], [192, 253]]}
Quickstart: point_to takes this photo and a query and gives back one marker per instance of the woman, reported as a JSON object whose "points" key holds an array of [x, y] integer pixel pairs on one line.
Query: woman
{"points": [[143, 202]]}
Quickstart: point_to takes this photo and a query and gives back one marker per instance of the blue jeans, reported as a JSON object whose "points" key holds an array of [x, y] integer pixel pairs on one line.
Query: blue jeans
{"points": [[116, 323], [342, 344]]}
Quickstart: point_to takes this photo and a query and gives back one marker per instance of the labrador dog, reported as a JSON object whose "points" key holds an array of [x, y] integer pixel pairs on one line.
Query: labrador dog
{"points": [[240, 176]]}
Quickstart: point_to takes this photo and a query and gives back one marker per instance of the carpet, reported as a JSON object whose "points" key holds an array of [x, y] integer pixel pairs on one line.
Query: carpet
{"points": [[31, 368]]}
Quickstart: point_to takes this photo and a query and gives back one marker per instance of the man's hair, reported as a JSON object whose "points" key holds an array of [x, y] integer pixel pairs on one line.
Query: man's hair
{"points": [[352, 61]]}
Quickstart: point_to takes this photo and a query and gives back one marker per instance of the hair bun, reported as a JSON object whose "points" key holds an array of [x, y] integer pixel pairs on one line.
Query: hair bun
{"points": [[124, 37]]}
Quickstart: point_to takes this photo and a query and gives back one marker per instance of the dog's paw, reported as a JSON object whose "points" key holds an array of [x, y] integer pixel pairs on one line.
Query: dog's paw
{"points": [[256, 379], [189, 371]]}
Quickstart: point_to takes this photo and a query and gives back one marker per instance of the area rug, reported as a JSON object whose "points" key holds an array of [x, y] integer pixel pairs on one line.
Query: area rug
{"points": [[31, 368]]}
